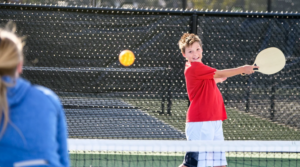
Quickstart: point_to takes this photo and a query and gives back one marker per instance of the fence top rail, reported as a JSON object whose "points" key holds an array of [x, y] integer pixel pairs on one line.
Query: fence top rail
{"points": [[150, 11]]}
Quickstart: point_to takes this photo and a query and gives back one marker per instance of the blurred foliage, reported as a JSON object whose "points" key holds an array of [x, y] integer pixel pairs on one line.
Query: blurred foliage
{"points": [[260, 5], [213, 4], [230, 5]]}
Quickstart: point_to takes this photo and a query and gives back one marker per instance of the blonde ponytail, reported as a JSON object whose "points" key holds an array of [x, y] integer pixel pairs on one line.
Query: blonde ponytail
{"points": [[4, 106], [11, 54]]}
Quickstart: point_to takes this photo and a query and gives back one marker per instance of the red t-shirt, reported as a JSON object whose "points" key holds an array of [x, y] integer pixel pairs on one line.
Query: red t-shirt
{"points": [[206, 101]]}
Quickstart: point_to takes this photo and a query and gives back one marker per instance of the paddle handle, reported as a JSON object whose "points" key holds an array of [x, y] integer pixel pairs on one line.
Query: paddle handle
{"points": [[255, 69]]}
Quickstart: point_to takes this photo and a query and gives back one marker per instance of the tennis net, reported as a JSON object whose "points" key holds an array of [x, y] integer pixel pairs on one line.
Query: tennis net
{"points": [[170, 153]]}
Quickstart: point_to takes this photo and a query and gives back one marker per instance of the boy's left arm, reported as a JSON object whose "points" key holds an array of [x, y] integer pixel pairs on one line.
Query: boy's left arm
{"points": [[246, 69]]}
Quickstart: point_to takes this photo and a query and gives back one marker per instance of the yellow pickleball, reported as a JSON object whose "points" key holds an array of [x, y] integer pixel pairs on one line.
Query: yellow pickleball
{"points": [[126, 58]]}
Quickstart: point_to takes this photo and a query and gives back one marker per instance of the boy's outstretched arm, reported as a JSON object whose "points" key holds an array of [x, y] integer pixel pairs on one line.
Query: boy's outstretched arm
{"points": [[246, 69]]}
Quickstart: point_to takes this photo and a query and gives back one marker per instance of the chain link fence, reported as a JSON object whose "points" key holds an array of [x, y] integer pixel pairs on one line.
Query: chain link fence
{"points": [[74, 51]]}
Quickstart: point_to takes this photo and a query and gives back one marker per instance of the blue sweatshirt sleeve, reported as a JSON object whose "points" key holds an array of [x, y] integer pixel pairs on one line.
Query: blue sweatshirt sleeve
{"points": [[62, 134], [61, 138]]}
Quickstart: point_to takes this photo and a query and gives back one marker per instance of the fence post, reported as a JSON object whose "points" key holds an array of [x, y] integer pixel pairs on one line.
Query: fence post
{"points": [[162, 102], [248, 94], [269, 7], [194, 23], [183, 4], [167, 95], [272, 107]]}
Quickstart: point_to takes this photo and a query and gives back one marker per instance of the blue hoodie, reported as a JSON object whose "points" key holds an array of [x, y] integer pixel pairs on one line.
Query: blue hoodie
{"points": [[37, 133]]}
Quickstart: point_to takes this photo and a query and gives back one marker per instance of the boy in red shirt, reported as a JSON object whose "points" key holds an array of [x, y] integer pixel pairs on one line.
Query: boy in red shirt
{"points": [[207, 109]]}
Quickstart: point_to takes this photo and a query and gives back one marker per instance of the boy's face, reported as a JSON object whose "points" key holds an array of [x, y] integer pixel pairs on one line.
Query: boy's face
{"points": [[193, 53]]}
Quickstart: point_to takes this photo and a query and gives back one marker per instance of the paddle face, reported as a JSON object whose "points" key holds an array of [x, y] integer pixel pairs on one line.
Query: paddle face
{"points": [[270, 61]]}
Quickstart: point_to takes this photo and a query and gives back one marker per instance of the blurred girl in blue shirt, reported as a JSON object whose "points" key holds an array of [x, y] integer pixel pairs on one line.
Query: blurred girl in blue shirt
{"points": [[33, 129]]}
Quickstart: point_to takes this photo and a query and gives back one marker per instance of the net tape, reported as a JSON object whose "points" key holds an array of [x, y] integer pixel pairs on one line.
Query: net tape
{"points": [[182, 146]]}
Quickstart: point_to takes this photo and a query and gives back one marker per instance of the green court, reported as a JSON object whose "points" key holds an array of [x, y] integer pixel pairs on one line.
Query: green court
{"points": [[239, 125], [135, 159]]}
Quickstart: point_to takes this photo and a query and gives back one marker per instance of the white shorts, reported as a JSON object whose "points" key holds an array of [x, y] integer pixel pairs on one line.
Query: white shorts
{"points": [[209, 130]]}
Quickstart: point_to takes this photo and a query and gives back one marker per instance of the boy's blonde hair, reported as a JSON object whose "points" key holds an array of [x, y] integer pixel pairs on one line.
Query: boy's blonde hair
{"points": [[11, 54], [187, 40]]}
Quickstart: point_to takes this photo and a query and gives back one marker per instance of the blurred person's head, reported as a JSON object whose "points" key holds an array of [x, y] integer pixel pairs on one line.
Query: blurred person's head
{"points": [[11, 62]]}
